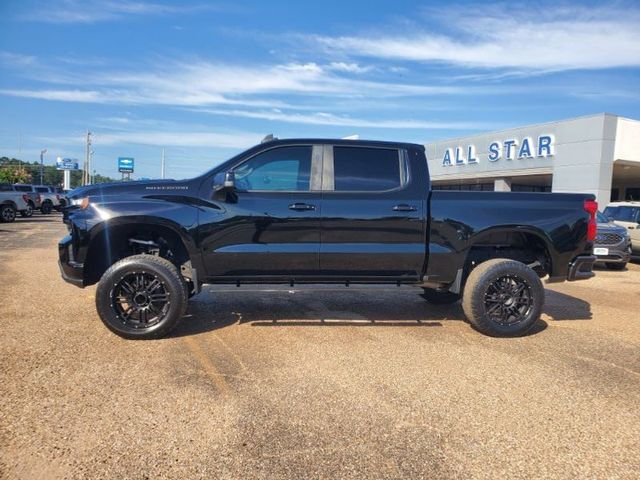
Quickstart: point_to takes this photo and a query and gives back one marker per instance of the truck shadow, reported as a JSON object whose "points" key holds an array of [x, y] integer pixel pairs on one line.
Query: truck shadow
{"points": [[560, 306], [212, 310]]}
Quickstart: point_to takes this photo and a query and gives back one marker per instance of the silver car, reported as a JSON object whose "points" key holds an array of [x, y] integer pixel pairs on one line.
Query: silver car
{"points": [[612, 245]]}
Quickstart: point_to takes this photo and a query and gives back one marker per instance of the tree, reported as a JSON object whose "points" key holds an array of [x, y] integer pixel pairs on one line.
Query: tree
{"points": [[14, 174]]}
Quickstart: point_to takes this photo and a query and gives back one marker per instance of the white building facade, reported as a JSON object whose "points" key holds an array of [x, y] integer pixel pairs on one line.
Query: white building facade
{"points": [[597, 154]]}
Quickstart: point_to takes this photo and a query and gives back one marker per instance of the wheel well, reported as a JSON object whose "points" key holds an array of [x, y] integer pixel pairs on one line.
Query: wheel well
{"points": [[115, 243], [524, 247], [10, 203]]}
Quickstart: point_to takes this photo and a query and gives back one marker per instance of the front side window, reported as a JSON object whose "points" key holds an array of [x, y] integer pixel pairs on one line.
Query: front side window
{"points": [[42, 190], [361, 169], [278, 169]]}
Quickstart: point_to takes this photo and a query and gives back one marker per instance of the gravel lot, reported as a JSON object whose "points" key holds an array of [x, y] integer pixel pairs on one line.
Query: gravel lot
{"points": [[367, 383]]}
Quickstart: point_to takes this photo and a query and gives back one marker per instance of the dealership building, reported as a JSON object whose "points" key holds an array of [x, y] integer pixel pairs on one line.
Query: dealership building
{"points": [[597, 154]]}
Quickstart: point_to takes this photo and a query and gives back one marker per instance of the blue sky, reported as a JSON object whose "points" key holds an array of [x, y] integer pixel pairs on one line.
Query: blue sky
{"points": [[208, 79]]}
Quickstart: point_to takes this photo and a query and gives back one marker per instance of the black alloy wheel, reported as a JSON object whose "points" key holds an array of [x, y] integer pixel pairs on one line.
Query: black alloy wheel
{"points": [[141, 297], [28, 212], [508, 300], [503, 298]]}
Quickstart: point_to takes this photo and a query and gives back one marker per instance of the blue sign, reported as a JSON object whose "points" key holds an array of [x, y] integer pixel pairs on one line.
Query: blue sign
{"points": [[125, 164], [66, 164]]}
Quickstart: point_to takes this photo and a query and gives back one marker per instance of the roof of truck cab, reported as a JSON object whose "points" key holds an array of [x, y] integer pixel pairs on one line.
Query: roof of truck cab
{"points": [[342, 142]]}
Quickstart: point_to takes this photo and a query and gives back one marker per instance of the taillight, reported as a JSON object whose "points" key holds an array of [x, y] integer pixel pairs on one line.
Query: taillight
{"points": [[25, 197], [591, 207]]}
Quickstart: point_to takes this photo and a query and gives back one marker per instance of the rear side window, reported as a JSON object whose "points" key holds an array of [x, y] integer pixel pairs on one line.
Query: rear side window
{"points": [[42, 190], [23, 188], [360, 169], [4, 187]]}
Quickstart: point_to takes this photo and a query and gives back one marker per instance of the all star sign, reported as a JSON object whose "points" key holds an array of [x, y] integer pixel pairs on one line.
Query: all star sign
{"points": [[512, 149]]}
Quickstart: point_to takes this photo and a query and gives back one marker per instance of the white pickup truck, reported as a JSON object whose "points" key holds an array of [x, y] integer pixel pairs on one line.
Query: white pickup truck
{"points": [[50, 199], [10, 203]]}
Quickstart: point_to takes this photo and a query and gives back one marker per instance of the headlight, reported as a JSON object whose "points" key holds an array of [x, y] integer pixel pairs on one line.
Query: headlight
{"points": [[80, 202]]}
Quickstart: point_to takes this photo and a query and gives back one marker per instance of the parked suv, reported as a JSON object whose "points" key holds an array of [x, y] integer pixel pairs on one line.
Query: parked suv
{"points": [[612, 245], [50, 199], [627, 214], [11, 202], [33, 199]]}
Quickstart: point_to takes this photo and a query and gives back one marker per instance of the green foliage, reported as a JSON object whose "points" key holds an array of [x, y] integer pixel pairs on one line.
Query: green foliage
{"points": [[13, 170]]}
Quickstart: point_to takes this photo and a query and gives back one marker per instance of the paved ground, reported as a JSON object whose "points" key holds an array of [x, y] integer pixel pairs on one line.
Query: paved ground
{"points": [[288, 384]]}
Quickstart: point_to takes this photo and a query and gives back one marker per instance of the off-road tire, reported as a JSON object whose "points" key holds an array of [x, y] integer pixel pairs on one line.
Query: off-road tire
{"points": [[159, 268], [439, 298], [482, 289], [616, 266], [7, 213]]}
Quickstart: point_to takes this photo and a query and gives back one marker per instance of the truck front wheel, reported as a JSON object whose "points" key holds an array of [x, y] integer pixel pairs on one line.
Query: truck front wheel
{"points": [[141, 297], [503, 298]]}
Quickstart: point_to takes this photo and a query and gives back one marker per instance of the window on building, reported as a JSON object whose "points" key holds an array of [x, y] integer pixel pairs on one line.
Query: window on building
{"points": [[530, 188], [361, 169], [632, 194], [476, 187]]}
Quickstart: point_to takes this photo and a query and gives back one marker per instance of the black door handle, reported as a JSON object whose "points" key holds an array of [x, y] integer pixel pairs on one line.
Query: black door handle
{"points": [[404, 208], [301, 206]]}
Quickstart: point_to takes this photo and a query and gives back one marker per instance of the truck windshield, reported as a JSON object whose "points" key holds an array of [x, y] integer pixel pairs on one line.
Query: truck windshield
{"points": [[623, 213]]}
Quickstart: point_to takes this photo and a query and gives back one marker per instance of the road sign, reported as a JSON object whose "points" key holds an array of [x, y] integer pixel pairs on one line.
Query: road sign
{"points": [[125, 164], [66, 163]]}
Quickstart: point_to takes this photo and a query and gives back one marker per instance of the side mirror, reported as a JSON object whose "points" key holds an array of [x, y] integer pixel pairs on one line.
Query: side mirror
{"points": [[224, 187], [227, 184]]}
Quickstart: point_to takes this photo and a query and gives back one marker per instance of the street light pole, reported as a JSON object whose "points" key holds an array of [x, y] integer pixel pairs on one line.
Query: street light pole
{"points": [[42, 152]]}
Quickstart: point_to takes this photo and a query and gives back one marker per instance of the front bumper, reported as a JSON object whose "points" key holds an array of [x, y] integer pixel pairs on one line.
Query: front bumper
{"points": [[71, 271], [581, 268]]}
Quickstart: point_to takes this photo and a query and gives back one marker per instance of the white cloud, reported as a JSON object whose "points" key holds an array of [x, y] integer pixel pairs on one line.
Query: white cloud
{"points": [[349, 67], [182, 139], [200, 83], [512, 37], [323, 118], [90, 11], [83, 96]]}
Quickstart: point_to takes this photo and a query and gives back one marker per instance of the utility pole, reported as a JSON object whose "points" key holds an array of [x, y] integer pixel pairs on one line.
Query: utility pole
{"points": [[42, 152], [86, 177], [162, 165]]}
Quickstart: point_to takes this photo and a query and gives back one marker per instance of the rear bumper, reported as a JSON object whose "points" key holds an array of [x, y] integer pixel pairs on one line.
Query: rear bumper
{"points": [[71, 271], [581, 268]]}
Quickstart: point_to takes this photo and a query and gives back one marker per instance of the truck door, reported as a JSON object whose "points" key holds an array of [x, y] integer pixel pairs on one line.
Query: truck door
{"points": [[373, 213], [272, 227]]}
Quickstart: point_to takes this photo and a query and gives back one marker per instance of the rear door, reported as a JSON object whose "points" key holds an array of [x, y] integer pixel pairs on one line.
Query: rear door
{"points": [[373, 211]]}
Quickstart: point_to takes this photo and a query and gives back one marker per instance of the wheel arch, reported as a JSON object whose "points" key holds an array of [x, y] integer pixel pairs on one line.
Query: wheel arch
{"points": [[110, 241], [528, 245]]}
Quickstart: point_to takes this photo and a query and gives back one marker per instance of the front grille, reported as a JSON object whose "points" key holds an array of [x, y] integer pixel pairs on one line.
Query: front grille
{"points": [[608, 238]]}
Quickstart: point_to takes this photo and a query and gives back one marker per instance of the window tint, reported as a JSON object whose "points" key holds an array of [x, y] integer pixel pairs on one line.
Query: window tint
{"points": [[285, 168], [5, 187], [366, 169], [23, 188], [42, 189]]}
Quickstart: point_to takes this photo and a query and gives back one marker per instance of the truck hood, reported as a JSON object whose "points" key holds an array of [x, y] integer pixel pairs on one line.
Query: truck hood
{"points": [[139, 187]]}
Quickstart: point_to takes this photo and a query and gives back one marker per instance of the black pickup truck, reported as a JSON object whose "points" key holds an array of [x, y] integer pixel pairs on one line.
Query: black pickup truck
{"points": [[322, 211]]}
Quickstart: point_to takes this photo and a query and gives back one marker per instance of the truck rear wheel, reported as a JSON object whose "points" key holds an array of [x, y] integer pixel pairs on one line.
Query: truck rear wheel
{"points": [[46, 208], [7, 213], [141, 297], [503, 298]]}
